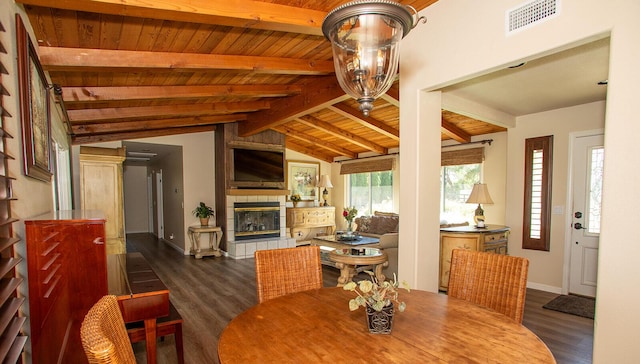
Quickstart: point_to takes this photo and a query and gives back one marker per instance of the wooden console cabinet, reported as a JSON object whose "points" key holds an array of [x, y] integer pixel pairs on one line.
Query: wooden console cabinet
{"points": [[493, 239], [67, 269], [305, 223]]}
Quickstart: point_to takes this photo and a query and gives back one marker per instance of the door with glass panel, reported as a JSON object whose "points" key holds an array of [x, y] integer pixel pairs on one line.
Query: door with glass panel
{"points": [[588, 162]]}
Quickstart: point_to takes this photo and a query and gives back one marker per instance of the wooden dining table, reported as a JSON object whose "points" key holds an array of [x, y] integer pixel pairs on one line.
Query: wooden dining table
{"points": [[317, 326]]}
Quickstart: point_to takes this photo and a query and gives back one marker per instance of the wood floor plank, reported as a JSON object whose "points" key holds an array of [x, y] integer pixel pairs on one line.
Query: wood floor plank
{"points": [[210, 292]]}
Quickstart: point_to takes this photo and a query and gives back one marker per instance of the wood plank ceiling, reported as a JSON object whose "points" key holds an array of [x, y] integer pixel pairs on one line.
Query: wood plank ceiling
{"points": [[134, 69]]}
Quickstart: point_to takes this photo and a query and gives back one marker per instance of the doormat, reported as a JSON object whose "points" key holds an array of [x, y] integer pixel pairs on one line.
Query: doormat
{"points": [[574, 305]]}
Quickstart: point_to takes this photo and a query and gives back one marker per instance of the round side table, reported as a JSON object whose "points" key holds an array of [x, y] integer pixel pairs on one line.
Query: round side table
{"points": [[347, 259]]}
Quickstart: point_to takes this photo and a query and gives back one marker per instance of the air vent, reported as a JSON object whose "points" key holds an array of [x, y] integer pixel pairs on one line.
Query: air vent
{"points": [[526, 15]]}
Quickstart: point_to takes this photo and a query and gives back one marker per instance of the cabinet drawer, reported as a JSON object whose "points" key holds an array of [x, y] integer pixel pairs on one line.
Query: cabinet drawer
{"points": [[317, 218], [488, 238]]}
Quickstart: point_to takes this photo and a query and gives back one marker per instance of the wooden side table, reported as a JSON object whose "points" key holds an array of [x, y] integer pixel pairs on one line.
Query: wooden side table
{"points": [[214, 244], [347, 260]]}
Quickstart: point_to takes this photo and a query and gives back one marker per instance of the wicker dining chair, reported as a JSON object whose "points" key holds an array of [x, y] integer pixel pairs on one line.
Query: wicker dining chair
{"points": [[492, 280], [283, 271], [104, 335]]}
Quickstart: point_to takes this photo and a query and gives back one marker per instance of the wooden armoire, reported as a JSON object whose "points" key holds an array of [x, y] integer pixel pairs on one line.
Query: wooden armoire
{"points": [[101, 189]]}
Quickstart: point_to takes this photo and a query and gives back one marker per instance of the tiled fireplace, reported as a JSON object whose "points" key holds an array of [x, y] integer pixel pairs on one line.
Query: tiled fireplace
{"points": [[256, 230]]}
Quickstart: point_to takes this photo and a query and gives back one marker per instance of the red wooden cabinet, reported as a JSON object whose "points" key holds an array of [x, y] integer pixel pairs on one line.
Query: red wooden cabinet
{"points": [[66, 260]]}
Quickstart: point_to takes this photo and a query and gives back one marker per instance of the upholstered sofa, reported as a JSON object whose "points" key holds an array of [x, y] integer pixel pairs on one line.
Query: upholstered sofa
{"points": [[384, 226]]}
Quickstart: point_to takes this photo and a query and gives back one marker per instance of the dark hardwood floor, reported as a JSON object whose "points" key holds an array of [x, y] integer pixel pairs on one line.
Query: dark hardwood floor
{"points": [[210, 292]]}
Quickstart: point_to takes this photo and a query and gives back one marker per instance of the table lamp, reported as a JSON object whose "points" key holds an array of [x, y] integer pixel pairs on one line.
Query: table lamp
{"points": [[479, 195], [326, 183]]}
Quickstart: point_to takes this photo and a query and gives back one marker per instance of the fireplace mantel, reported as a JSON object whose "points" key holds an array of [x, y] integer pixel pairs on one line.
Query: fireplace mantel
{"points": [[253, 192]]}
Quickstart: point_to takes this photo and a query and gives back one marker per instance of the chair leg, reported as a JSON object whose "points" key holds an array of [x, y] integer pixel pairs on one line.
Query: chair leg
{"points": [[179, 347]]}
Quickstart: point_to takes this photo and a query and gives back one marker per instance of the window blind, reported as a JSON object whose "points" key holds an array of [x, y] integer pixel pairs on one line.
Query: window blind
{"points": [[462, 156], [374, 165]]}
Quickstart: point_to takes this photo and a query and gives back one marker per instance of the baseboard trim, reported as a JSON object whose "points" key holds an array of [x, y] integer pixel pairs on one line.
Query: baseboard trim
{"points": [[544, 287]]}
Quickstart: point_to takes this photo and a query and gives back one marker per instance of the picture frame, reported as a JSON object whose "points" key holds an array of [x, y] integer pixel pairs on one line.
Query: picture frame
{"points": [[34, 108], [302, 178]]}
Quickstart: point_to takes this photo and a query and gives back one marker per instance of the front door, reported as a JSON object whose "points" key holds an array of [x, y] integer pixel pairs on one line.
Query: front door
{"points": [[588, 161]]}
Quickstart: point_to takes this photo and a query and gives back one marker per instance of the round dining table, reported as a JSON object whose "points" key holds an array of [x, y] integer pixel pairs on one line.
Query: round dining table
{"points": [[317, 326]]}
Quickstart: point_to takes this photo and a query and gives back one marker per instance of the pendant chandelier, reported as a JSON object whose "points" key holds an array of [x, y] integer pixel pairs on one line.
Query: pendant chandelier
{"points": [[365, 37]]}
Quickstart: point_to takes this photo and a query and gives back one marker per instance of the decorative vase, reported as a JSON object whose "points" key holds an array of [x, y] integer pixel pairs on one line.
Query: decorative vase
{"points": [[380, 322], [204, 221], [349, 227], [295, 204]]}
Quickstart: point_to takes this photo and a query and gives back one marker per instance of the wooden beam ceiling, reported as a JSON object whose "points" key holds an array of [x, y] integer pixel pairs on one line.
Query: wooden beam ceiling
{"points": [[237, 13]]}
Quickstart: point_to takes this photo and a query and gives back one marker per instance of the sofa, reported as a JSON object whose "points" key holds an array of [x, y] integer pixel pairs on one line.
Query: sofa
{"points": [[383, 226]]}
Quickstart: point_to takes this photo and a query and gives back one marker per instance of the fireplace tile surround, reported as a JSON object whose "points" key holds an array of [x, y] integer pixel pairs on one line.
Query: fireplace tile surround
{"points": [[242, 249]]}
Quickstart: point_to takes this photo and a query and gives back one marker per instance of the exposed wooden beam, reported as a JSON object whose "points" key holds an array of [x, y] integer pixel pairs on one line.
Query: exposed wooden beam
{"points": [[75, 59], [313, 140], [310, 151], [454, 132], [237, 13], [139, 134], [91, 93], [93, 115], [317, 93], [369, 122], [342, 134], [128, 126]]}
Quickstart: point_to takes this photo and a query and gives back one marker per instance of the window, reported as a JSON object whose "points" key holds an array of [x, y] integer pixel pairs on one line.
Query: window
{"points": [[456, 183], [537, 193], [594, 198], [461, 168], [371, 191]]}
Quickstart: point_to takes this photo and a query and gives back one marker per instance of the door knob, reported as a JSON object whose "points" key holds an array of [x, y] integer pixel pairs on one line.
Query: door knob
{"points": [[578, 226]]}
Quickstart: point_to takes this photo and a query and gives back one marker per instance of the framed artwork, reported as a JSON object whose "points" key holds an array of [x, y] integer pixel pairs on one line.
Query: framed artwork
{"points": [[302, 178], [34, 108]]}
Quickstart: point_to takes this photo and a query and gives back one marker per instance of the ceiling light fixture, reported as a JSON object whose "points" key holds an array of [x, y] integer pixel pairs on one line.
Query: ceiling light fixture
{"points": [[142, 154], [365, 37]]}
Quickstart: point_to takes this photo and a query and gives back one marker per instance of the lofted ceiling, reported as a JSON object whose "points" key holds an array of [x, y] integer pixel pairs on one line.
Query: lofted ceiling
{"points": [[135, 69], [138, 69]]}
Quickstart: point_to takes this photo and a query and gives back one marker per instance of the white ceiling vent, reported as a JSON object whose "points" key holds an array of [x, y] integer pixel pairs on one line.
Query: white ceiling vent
{"points": [[530, 14]]}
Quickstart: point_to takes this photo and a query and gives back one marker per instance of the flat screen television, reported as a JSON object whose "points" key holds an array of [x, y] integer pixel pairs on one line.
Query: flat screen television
{"points": [[253, 167]]}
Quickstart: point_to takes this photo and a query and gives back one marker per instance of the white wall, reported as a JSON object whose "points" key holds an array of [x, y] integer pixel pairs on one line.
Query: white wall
{"points": [[465, 38]]}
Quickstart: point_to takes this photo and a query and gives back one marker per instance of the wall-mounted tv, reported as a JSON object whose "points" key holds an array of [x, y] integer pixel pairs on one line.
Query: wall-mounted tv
{"points": [[253, 167]]}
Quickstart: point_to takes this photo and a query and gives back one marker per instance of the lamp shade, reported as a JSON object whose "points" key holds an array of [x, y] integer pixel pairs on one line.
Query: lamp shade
{"points": [[480, 194], [325, 181], [365, 37]]}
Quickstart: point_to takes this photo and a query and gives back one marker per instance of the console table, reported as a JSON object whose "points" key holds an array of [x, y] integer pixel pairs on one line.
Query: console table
{"points": [[214, 245], [304, 223], [492, 239]]}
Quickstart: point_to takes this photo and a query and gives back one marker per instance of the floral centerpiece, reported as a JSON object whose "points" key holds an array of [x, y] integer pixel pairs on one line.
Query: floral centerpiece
{"points": [[295, 198], [378, 299], [349, 214]]}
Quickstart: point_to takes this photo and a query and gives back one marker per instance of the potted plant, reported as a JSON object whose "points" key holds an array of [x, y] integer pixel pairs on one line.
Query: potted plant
{"points": [[204, 212], [377, 298], [295, 198]]}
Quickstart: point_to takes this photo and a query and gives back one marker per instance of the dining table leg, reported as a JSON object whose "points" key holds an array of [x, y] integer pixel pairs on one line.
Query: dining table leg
{"points": [[150, 337]]}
